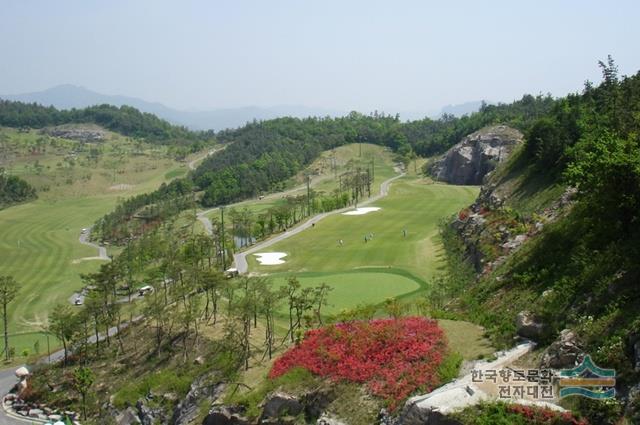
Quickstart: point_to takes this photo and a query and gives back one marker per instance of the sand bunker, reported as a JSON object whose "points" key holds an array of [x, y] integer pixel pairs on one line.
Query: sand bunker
{"points": [[270, 258], [121, 186], [361, 211]]}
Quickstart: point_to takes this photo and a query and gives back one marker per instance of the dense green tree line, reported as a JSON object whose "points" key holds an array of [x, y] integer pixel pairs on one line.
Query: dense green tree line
{"points": [[261, 155], [138, 213], [125, 120], [593, 139], [14, 190]]}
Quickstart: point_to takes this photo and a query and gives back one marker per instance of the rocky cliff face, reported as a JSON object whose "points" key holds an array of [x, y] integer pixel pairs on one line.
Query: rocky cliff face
{"points": [[476, 155]]}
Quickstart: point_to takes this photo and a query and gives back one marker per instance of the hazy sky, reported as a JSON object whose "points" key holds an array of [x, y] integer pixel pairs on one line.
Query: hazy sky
{"points": [[388, 55]]}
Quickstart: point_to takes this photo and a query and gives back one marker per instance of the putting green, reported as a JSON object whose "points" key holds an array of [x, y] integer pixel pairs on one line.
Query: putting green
{"points": [[353, 288]]}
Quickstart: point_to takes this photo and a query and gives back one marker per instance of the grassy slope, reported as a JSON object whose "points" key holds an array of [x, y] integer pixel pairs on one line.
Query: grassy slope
{"points": [[322, 174], [40, 239], [526, 192]]}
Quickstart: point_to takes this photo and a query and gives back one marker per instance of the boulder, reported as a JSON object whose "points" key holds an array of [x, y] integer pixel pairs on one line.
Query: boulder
{"points": [[280, 404], [35, 413], [22, 372], [171, 397], [149, 416], [328, 420], [316, 402], [636, 355], [514, 243], [202, 389], [564, 352], [226, 415], [433, 409], [128, 417], [283, 420], [476, 155], [529, 326], [634, 342], [632, 410]]}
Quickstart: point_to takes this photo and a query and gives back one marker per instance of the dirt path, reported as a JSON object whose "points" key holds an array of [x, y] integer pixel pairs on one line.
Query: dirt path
{"points": [[192, 163]]}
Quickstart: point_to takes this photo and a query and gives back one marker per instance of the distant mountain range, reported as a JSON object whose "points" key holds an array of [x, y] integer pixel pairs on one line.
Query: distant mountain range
{"points": [[68, 96], [463, 108]]}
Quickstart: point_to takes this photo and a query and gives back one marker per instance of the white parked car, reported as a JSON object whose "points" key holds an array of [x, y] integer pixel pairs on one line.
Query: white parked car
{"points": [[144, 290]]}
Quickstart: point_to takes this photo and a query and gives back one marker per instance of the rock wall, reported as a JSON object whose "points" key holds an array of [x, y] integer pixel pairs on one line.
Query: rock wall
{"points": [[476, 155]]}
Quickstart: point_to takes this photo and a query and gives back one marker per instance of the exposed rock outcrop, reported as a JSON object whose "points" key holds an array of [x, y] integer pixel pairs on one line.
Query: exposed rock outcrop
{"points": [[148, 415], [80, 133], [529, 326], [226, 415], [634, 342], [329, 420], [127, 417], [476, 155], [278, 405], [202, 389], [564, 352]]}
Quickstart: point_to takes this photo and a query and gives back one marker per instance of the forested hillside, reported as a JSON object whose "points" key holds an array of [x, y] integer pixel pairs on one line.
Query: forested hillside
{"points": [[125, 120], [554, 238], [14, 190], [261, 155]]}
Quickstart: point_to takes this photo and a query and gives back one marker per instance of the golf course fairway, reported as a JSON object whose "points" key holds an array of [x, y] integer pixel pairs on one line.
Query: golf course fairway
{"points": [[416, 206]]}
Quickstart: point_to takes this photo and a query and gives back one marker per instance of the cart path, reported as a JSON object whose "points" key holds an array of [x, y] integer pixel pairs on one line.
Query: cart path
{"points": [[206, 222], [192, 163], [102, 251], [8, 378]]}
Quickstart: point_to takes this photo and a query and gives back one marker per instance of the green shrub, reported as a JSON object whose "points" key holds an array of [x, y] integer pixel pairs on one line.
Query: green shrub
{"points": [[450, 367]]}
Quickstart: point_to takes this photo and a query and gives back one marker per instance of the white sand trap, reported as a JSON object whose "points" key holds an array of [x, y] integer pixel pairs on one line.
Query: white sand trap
{"points": [[121, 186], [361, 211], [270, 258]]}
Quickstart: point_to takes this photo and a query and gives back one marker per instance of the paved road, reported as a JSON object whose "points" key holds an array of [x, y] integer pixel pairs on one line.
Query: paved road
{"points": [[7, 381], [202, 215], [102, 251], [8, 378], [240, 258]]}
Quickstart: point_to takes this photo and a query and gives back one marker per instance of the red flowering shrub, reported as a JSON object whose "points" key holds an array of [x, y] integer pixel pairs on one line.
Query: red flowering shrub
{"points": [[393, 357], [542, 416], [463, 214]]}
